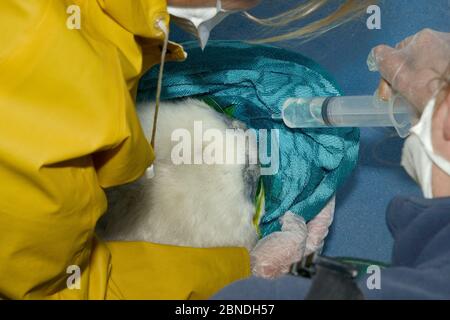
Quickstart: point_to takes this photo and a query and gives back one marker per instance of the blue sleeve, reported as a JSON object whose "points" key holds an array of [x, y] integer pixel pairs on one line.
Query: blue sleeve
{"points": [[420, 262], [283, 288], [420, 266]]}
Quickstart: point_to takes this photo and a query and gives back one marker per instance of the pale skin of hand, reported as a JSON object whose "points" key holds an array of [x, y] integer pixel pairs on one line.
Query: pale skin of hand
{"points": [[226, 4]]}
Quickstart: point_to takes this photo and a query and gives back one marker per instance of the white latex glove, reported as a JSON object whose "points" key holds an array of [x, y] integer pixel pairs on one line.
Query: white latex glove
{"points": [[226, 4], [200, 17], [413, 67], [419, 69], [318, 228], [274, 254]]}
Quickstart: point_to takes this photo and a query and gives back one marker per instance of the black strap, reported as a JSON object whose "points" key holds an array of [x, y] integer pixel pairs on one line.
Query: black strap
{"points": [[331, 279], [328, 284]]}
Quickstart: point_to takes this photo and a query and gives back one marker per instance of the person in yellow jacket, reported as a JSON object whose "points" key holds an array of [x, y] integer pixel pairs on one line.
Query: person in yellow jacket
{"points": [[68, 129]]}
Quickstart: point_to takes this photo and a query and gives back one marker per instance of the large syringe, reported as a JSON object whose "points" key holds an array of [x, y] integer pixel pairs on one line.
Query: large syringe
{"points": [[349, 111]]}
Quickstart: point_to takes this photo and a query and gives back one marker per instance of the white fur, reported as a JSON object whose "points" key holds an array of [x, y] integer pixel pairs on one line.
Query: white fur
{"points": [[187, 205]]}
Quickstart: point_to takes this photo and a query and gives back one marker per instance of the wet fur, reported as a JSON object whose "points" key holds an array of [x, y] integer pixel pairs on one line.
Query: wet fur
{"points": [[188, 205]]}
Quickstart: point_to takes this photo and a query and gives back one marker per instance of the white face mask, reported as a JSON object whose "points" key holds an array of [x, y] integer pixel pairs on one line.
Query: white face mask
{"points": [[418, 154], [199, 21]]}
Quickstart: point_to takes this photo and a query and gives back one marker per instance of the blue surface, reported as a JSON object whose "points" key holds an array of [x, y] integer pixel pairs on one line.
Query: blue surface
{"points": [[359, 229]]}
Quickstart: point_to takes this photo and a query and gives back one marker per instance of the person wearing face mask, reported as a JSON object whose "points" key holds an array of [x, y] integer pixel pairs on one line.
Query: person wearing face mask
{"points": [[418, 68]]}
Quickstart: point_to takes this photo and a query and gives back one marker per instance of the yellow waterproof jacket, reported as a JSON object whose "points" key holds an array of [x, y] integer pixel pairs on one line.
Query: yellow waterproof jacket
{"points": [[68, 129]]}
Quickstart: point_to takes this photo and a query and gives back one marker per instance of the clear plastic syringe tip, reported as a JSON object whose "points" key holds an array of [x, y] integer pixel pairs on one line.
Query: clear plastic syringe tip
{"points": [[348, 111]]}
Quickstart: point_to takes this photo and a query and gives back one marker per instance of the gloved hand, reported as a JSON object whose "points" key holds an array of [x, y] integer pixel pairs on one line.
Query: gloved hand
{"points": [[226, 4], [274, 254], [318, 228], [419, 69], [414, 67], [199, 17]]}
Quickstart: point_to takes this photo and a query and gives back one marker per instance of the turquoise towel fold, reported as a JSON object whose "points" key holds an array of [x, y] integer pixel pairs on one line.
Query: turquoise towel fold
{"points": [[253, 81]]}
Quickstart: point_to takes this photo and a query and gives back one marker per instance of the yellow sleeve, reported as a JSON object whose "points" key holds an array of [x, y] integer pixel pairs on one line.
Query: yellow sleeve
{"points": [[68, 128]]}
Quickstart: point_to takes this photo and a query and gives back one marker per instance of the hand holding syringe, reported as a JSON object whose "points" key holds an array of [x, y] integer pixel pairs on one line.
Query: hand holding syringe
{"points": [[414, 69]]}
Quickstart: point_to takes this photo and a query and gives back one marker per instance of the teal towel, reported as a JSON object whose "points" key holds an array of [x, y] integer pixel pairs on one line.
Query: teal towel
{"points": [[253, 81]]}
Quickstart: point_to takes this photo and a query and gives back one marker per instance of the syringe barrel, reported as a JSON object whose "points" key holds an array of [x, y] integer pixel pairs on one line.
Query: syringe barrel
{"points": [[347, 111]]}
